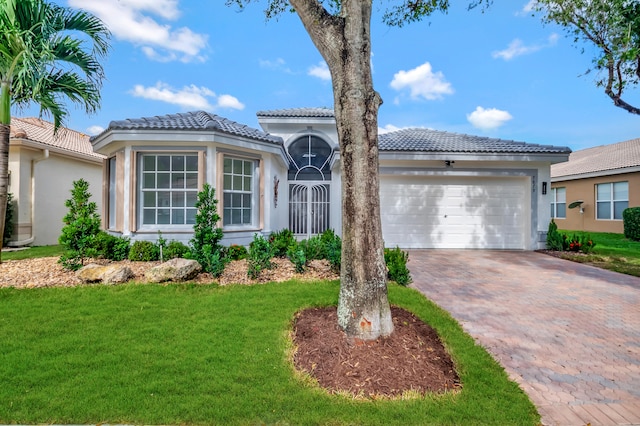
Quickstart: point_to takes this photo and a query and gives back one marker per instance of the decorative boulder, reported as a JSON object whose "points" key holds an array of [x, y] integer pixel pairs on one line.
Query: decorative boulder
{"points": [[106, 274], [174, 270]]}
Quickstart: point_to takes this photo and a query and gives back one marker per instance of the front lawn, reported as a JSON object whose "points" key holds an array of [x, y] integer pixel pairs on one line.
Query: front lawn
{"points": [[33, 252], [612, 251], [204, 354]]}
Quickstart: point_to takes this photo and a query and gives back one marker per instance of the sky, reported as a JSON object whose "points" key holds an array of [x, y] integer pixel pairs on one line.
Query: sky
{"points": [[498, 73]]}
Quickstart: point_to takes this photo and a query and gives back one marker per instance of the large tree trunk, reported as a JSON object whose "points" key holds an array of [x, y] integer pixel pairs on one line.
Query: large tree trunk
{"points": [[345, 43], [5, 129]]}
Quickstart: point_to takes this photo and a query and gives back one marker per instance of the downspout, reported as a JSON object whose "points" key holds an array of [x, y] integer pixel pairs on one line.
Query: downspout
{"points": [[31, 239]]}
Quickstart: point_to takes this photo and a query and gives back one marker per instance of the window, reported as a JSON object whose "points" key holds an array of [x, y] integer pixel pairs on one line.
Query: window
{"points": [[112, 193], [559, 203], [169, 188], [611, 200], [238, 188]]}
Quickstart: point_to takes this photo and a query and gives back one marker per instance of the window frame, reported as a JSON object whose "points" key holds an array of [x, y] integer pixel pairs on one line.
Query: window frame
{"points": [[254, 192], [555, 203], [611, 201]]}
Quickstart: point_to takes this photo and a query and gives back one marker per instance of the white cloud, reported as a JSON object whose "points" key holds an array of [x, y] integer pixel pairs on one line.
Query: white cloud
{"points": [[278, 64], [95, 130], [130, 20], [388, 128], [189, 97], [518, 48], [321, 71], [422, 82], [528, 8], [488, 119]]}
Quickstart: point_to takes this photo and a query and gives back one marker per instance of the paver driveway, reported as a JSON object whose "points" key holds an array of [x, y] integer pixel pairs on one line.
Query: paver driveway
{"points": [[568, 333]]}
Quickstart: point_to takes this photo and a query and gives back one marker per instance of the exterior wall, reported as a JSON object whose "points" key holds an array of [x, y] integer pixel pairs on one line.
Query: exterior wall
{"points": [[585, 189], [41, 184]]}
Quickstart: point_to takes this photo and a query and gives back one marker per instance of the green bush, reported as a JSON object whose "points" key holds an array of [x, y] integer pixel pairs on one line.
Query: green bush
{"points": [[297, 257], [576, 243], [260, 255], [332, 248], [212, 260], [555, 240], [8, 220], [144, 251], [631, 219], [111, 247], [396, 261], [82, 225], [174, 249], [236, 252], [313, 248], [280, 242], [205, 244]]}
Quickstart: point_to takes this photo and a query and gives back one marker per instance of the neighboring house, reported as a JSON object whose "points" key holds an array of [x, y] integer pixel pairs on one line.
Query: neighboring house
{"points": [[438, 189], [590, 191], [42, 168]]}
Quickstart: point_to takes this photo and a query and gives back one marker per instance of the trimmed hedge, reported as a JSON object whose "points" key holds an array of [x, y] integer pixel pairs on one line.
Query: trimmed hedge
{"points": [[631, 220]]}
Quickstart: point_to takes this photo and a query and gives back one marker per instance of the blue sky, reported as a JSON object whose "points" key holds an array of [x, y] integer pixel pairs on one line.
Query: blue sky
{"points": [[501, 73]]}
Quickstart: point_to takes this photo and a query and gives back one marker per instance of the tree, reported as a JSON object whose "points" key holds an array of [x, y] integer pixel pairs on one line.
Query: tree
{"points": [[341, 31], [613, 26], [48, 54]]}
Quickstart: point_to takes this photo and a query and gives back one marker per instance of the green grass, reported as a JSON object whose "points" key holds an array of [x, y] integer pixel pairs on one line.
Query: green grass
{"points": [[33, 252], [612, 251], [203, 354]]}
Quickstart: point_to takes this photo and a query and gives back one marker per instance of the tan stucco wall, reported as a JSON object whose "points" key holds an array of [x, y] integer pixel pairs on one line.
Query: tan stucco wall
{"points": [[584, 189]]}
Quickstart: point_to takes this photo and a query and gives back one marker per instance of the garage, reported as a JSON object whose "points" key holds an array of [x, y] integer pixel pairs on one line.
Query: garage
{"points": [[455, 212]]}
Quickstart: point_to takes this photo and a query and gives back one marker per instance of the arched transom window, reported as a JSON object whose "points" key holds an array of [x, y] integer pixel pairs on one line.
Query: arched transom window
{"points": [[310, 157]]}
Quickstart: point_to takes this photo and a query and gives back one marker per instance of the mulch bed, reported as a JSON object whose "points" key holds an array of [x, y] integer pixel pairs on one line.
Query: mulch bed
{"points": [[412, 358]]}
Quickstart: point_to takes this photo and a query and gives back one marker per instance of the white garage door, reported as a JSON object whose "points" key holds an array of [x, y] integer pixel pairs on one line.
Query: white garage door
{"points": [[454, 212]]}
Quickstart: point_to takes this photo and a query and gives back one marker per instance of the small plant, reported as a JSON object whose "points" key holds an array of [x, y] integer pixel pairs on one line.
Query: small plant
{"points": [[631, 223], [144, 251], [313, 248], [175, 249], [396, 261], [260, 255], [236, 252], [82, 225], [8, 220], [332, 249], [555, 240], [111, 247], [205, 244], [212, 261], [297, 257], [281, 241]]}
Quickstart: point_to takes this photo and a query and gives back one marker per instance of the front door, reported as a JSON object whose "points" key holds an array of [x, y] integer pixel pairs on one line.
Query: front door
{"points": [[309, 204]]}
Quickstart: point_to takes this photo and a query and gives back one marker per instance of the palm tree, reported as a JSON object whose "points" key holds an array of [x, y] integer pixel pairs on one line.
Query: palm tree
{"points": [[49, 55]]}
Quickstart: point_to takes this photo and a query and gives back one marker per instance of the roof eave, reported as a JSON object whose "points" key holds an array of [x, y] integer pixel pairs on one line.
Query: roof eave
{"points": [[601, 173]]}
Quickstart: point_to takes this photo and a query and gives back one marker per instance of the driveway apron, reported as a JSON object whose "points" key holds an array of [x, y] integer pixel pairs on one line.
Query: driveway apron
{"points": [[567, 333]]}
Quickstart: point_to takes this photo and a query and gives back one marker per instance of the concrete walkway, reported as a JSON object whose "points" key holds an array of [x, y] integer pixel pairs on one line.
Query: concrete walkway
{"points": [[568, 334]]}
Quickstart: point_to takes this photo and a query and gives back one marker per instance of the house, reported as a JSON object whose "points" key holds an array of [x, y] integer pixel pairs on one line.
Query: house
{"points": [[438, 189], [42, 168], [590, 190]]}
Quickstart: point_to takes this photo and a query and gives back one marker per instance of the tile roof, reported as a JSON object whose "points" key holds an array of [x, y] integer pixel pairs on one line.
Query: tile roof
{"points": [[41, 131], [298, 113], [427, 140], [600, 159], [193, 121]]}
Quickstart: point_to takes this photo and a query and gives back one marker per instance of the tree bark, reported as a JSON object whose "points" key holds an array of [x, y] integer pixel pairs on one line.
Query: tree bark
{"points": [[5, 129], [345, 43]]}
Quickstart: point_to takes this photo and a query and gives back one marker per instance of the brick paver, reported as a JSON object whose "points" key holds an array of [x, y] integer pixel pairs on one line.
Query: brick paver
{"points": [[568, 334]]}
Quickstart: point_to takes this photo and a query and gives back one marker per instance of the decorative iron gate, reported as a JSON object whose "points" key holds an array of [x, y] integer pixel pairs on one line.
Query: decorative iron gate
{"points": [[309, 205]]}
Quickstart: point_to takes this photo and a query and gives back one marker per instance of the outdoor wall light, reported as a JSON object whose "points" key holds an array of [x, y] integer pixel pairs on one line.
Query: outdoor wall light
{"points": [[544, 188], [448, 163]]}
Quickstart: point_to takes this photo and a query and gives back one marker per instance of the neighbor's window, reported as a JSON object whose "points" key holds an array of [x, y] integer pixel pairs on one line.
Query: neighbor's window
{"points": [[559, 203], [169, 188], [611, 200], [238, 189]]}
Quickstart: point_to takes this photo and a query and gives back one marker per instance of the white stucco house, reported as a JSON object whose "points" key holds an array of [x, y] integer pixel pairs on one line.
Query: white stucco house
{"points": [[42, 169], [438, 189]]}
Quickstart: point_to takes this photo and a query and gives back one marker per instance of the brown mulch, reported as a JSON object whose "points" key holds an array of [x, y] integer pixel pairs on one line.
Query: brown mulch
{"points": [[411, 359]]}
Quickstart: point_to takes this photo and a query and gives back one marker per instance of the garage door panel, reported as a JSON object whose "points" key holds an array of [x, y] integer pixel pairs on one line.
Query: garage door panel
{"points": [[454, 212]]}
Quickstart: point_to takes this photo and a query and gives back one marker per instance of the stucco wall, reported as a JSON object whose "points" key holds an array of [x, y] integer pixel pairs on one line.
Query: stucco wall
{"points": [[585, 189]]}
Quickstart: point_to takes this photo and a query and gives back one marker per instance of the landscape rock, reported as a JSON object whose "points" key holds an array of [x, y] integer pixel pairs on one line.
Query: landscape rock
{"points": [[106, 274], [176, 270]]}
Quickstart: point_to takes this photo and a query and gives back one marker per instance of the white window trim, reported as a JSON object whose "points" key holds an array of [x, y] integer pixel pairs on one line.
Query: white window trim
{"points": [[554, 203], [611, 200], [256, 189]]}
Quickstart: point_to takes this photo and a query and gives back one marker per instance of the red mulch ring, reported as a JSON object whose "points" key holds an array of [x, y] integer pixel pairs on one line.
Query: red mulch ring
{"points": [[411, 359]]}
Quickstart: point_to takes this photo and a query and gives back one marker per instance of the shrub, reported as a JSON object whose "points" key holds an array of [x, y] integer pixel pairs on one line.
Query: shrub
{"points": [[631, 220], [174, 249], [144, 251], [280, 242], [82, 225], [313, 248], [396, 261], [297, 257], [205, 244], [236, 252], [332, 249], [8, 220], [260, 255], [555, 240], [111, 247]]}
